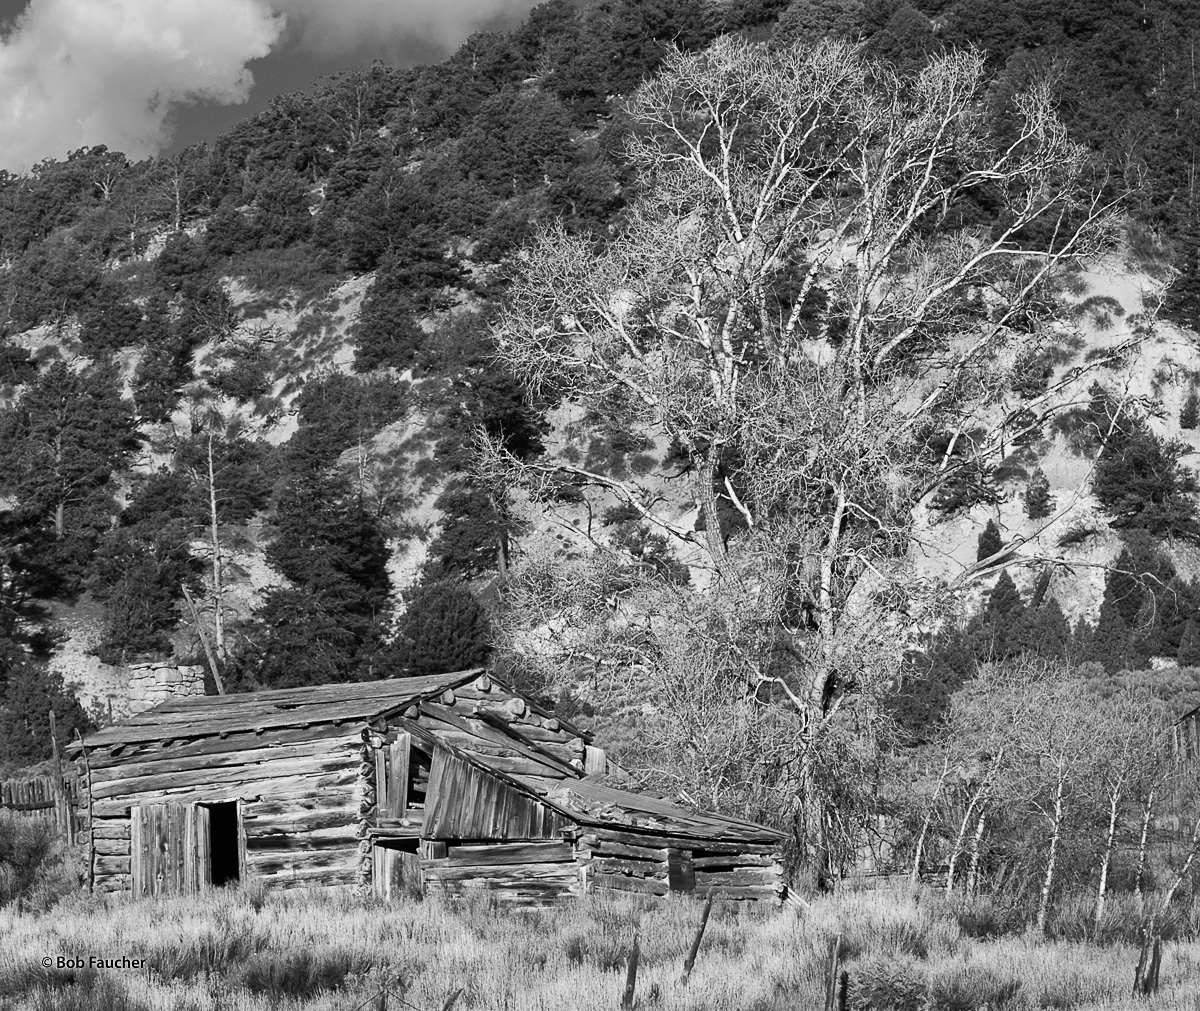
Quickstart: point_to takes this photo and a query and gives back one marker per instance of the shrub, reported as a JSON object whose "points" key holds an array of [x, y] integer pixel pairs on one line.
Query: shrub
{"points": [[34, 867], [886, 985], [1189, 414], [968, 988]]}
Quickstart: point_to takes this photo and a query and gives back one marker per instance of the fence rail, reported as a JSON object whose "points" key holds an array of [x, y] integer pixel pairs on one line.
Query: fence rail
{"points": [[45, 797]]}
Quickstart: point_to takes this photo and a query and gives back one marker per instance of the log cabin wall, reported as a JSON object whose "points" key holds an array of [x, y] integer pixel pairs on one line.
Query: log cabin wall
{"points": [[434, 784], [298, 791]]}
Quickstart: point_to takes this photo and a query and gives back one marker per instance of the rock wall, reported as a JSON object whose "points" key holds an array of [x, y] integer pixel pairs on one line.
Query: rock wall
{"points": [[152, 683]]}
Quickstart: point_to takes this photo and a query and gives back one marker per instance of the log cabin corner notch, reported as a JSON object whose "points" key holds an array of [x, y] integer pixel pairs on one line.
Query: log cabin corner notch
{"points": [[426, 784]]}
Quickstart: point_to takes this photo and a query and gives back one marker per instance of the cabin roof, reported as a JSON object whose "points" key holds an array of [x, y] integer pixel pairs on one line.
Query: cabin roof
{"points": [[590, 803], [219, 715]]}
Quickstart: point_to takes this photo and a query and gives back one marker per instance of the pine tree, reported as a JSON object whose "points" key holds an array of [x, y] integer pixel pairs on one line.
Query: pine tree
{"points": [[1189, 646], [29, 692], [1123, 587], [1145, 634], [990, 541], [1141, 484], [443, 629], [1038, 502], [1005, 598], [1108, 644], [1189, 414]]}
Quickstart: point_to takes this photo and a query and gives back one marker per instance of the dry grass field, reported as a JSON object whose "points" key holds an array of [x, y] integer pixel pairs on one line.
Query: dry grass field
{"points": [[246, 950]]}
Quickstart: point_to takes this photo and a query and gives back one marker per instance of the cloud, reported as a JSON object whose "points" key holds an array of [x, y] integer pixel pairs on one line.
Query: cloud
{"points": [[76, 73], [85, 72], [348, 25]]}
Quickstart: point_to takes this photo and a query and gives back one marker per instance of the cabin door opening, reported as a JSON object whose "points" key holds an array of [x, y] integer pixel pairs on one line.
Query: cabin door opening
{"points": [[224, 846]]}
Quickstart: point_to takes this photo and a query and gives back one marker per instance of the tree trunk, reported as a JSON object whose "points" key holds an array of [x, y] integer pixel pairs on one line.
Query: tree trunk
{"points": [[958, 840], [1055, 831], [218, 599], [915, 874], [1147, 811], [976, 839], [1114, 803], [707, 495]]}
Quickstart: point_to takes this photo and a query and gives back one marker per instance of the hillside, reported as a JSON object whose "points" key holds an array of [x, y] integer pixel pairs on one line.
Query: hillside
{"points": [[305, 307]]}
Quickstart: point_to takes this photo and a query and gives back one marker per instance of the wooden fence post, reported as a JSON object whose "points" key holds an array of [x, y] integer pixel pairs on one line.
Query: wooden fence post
{"points": [[831, 981], [631, 976], [695, 948]]}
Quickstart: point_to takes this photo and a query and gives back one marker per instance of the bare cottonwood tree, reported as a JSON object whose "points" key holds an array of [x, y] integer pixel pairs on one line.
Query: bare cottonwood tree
{"points": [[809, 299]]}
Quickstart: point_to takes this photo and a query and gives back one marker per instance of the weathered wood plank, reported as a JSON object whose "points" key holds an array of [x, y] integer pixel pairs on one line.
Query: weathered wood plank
{"points": [[510, 853], [317, 765], [516, 873], [111, 865], [294, 787], [698, 844], [111, 847], [620, 883], [731, 861], [618, 849], [239, 743], [169, 764], [741, 876], [110, 828]]}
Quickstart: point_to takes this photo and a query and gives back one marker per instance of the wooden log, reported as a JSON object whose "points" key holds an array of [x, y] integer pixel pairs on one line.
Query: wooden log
{"points": [[169, 762], [111, 865], [110, 847], [636, 868], [235, 743], [620, 883], [298, 821], [339, 835], [314, 877], [609, 847], [698, 844], [501, 872], [511, 853], [313, 766], [110, 828], [277, 789], [731, 861], [741, 876]]}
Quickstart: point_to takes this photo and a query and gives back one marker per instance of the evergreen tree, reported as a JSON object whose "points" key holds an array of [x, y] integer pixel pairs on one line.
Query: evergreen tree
{"points": [[138, 574], [1005, 598], [28, 692], [443, 629], [1043, 631], [990, 541], [1123, 587], [1038, 502], [1145, 634], [298, 640], [61, 446], [1141, 484], [1080, 645], [1109, 645], [1188, 654], [1189, 413], [995, 634], [327, 544]]}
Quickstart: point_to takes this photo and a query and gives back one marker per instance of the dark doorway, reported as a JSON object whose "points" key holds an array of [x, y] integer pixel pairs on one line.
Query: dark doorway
{"points": [[224, 850]]}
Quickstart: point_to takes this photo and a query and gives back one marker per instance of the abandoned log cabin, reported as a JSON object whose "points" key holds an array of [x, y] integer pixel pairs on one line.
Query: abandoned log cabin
{"points": [[415, 784]]}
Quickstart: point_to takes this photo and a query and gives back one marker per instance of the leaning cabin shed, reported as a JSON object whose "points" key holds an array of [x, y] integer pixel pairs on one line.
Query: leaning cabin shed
{"points": [[424, 783]]}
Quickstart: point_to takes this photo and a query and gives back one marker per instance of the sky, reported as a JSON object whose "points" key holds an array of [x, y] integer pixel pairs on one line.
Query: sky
{"points": [[146, 76]]}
